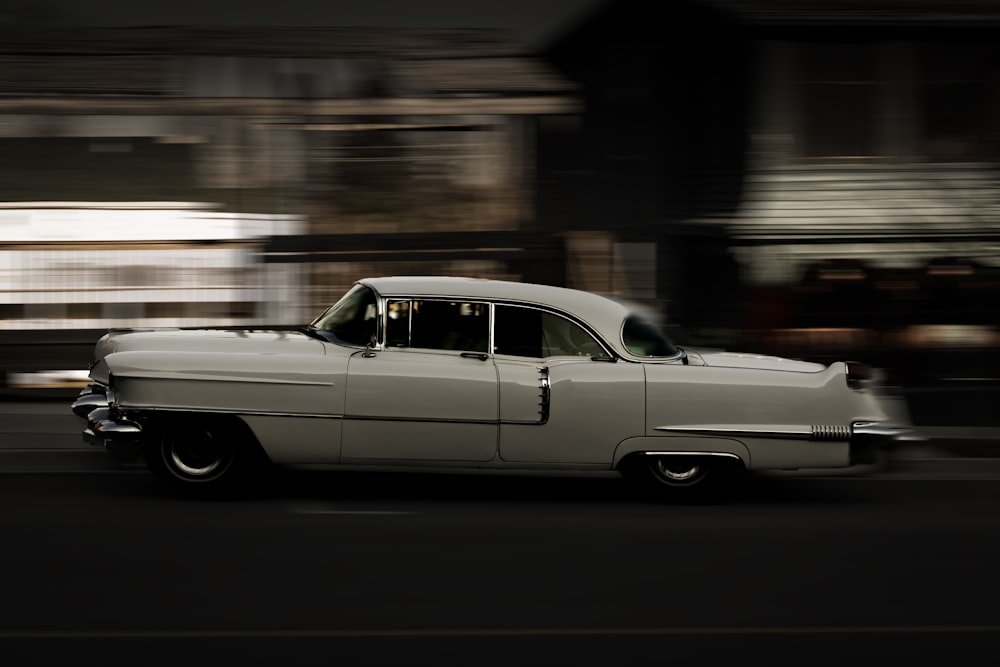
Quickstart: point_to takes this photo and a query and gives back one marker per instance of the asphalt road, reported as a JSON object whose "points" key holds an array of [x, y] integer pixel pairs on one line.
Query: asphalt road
{"points": [[387, 569], [99, 565]]}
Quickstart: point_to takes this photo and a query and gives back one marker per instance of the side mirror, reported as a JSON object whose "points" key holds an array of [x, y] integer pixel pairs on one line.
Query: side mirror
{"points": [[370, 347]]}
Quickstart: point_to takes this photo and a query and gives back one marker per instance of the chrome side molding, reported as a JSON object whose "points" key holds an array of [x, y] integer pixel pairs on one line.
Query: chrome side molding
{"points": [[858, 432]]}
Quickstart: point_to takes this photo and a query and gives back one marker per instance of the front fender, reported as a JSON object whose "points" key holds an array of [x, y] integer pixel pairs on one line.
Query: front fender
{"points": [[237, 382]]}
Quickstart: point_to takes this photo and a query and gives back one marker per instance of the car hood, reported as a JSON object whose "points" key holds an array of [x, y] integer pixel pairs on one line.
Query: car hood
{"points": [[220, 341], [722, 359]]}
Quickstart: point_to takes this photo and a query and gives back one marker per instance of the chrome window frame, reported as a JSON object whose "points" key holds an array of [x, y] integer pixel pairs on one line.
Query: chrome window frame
{"points": [[384, 302], [558, 313]]}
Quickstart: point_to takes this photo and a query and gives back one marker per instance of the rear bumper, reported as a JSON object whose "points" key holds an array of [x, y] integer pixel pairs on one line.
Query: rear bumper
{"points": [[868, 439]]}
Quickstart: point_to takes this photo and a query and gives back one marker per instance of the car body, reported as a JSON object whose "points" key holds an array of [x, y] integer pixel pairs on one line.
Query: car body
{"points": [[463, 372]]}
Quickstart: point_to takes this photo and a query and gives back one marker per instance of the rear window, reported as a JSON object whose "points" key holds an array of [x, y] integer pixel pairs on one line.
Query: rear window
{"points": [[643, 338]]}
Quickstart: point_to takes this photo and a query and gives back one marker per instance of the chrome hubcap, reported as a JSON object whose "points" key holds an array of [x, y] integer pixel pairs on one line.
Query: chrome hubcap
{"points": [[677, 471], [200, 457]]}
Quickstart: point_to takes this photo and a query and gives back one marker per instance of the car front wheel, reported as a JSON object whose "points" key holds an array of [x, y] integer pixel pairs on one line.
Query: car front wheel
{"points": [[204, 458], [682, 477]]}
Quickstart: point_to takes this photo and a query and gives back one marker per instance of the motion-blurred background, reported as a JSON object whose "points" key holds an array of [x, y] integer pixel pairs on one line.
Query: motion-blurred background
{"points": [[811, 178]]}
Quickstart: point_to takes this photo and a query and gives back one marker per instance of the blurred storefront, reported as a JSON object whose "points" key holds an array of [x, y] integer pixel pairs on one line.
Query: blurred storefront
{"points": [[871, 203], [819, 178], [145, 173]]}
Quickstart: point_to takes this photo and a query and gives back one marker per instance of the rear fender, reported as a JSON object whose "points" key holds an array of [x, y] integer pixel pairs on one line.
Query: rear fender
{"points": [[683, 446]]}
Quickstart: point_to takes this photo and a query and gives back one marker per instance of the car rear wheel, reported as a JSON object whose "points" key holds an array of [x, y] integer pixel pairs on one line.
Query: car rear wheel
{"points": [[205, 457], [682, 477]]}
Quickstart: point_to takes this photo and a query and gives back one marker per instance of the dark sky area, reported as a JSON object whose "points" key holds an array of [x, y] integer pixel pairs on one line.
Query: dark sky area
{"points": [[529, 22]]}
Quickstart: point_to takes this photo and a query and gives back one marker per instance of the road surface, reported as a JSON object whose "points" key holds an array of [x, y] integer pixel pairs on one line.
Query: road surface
{"points": [[99, 565]]}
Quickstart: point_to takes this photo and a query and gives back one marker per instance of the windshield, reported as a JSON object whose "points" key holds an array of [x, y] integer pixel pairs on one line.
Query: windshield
{"points": [[643, 338], [351, 320]]}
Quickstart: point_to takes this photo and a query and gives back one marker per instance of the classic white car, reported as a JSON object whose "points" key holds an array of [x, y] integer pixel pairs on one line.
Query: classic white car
{"points": [[461, 372]]}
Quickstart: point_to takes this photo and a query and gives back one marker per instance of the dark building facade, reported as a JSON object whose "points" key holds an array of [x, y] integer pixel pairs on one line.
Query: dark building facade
{"points": [[244, 174], [797, 165]]}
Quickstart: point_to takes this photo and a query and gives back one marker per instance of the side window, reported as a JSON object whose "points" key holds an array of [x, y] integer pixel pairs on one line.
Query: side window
{"points": [[562, 337], [527, 332], [517, 331], [397, 326], [438, 325]]}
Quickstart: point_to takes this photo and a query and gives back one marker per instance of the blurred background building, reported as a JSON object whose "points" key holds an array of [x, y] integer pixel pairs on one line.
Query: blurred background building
{"points": [[147, 174], [814, 178]]}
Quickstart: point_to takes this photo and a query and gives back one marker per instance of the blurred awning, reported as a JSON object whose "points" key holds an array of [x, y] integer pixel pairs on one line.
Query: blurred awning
{"points": [[867, 203]]}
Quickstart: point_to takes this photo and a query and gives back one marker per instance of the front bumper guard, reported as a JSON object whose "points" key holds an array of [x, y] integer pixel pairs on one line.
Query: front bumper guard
{"points": [[121, 437]]}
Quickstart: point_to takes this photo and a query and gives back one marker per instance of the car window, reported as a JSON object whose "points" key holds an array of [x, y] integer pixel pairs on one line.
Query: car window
{"points": [[438, 324], [353, 319], [397, 326], [528, 332], [645, 339]]}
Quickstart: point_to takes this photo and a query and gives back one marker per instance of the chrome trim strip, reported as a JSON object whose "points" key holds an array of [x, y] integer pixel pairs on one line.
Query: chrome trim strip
{"points": [[813, 432], [728, 455], [308, 415], [227, 411], [789, 432], [377, 418], [254, 381]]}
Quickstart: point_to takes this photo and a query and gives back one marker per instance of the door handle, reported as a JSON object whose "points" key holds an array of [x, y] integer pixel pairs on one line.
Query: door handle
{"points": [[482, 356]]}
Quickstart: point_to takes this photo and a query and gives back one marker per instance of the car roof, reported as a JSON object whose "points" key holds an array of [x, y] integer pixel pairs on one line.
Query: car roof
{"points": [[603, 314]]}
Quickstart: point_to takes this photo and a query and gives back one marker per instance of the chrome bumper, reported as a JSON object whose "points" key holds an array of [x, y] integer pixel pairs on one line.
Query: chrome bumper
{"points": [[120, 436], [868, 438]]}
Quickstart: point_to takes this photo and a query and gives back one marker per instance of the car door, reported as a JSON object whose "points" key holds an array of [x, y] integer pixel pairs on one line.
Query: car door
{"points": [[563, 397], [429, 392]]}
